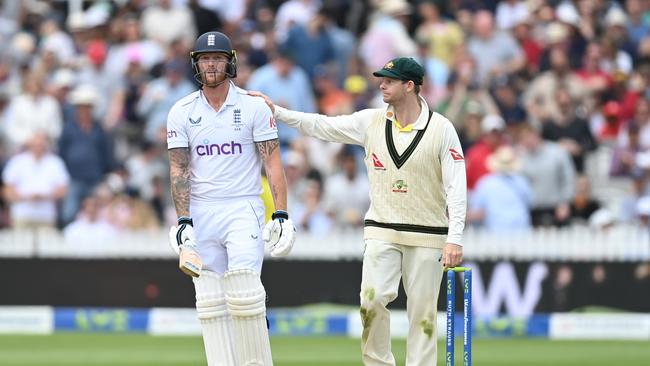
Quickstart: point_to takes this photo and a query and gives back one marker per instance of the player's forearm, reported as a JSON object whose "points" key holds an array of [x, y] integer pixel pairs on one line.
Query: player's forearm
{"points": [[180, 186], [455, 184], [277, 183], [344, 129], [179, 172], [270, 152], [457, 207]]}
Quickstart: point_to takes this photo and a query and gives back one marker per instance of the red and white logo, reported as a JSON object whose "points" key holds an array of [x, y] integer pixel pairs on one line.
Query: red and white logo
{"points": [[272, 123], [456, 155], [377, 163]]}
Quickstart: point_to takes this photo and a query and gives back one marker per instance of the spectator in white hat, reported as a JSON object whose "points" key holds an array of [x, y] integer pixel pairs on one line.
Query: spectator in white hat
{"points": [[86, 150]]}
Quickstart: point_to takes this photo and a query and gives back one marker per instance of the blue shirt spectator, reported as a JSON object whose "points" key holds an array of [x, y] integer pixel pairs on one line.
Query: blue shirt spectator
{"points": [[310, 44], [86, 150], [501, 200], [158, 98], [288, 86]]}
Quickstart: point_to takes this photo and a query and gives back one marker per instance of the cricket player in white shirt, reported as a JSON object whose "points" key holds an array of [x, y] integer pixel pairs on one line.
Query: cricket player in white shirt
{"points": [[418, 192], [218, 137]]}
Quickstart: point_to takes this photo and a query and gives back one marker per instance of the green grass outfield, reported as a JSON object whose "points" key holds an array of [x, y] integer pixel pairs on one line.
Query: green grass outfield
{"points": [[122, 350]]}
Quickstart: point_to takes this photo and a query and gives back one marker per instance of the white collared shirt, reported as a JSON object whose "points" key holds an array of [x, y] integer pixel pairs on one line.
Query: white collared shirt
{"points": [[224, 160]]}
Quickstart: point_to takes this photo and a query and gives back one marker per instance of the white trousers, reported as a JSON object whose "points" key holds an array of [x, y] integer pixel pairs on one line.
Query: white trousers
{"points": [[421, 271], [229, 235]]}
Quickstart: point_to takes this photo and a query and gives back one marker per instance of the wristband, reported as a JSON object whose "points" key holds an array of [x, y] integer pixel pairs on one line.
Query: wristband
{"points": [[185, 220], [280, 214]]}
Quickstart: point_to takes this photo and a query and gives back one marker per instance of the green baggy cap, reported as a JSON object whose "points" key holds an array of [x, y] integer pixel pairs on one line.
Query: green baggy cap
{"points": [[402, 68]]}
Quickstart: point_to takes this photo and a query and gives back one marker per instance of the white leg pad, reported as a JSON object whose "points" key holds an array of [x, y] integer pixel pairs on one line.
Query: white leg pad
{"points": [[216, 322], [246, 299]]}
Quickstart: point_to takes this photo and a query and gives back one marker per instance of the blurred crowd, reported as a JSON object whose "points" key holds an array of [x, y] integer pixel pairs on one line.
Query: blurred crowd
{"points": [[550, 99]]}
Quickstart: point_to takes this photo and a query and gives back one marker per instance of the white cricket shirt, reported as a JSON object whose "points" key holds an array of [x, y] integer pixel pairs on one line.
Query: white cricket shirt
{"points": [[224, 161]]}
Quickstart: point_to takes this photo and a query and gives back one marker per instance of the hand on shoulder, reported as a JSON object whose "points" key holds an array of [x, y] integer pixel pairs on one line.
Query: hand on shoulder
{"points": [[267, 100]]}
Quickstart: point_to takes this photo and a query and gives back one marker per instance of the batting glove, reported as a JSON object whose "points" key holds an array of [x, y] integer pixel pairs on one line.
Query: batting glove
{"points": [[183, 242], [183, 234], [279, 234]]}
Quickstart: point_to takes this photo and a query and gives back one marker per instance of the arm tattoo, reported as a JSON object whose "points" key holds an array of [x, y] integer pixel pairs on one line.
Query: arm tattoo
{"points": [[267, 147], [270, 152], [179, 172], [262, 146]]}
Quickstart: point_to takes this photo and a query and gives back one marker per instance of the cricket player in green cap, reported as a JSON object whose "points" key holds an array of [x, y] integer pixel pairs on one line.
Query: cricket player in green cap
{"points": [[413, 229]]}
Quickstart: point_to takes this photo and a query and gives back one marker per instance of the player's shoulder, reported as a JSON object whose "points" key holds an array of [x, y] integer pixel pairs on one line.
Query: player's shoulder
{"points": [[441, 120], [369, 116], [371, 113], [256, 103], [185, 102]]}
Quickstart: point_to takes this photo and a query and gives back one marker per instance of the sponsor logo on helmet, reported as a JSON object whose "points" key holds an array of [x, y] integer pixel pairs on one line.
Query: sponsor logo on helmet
{"points": [[227, 148]]}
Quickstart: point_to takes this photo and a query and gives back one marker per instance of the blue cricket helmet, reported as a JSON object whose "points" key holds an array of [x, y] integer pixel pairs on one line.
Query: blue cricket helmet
{"points": [[214, 42]]}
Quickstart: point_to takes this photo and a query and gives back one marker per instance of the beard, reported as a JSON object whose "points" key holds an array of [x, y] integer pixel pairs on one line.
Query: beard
{"points": [[212, 78]]}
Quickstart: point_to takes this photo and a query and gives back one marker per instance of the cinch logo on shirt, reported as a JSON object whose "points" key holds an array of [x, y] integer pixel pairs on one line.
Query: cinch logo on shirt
{"points": [[171, 134], [227, 148]]}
